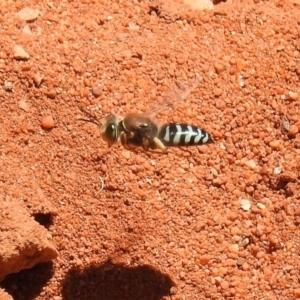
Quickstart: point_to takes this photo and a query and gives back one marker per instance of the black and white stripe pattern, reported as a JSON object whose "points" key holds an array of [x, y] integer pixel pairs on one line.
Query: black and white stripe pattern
{"points": [[183, 135]]}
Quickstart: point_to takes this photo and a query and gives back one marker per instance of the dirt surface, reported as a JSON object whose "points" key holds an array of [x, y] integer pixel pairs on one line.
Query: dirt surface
{"points": [[219, 221]]}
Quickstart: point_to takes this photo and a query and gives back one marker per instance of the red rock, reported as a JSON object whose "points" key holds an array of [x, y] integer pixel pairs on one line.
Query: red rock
{"points": [[24, 243], [47, 122]]}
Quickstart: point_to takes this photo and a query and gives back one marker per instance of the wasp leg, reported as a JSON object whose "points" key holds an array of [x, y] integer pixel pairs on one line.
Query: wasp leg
{"points": [[159, 144], [146, 144], [123, 138]]}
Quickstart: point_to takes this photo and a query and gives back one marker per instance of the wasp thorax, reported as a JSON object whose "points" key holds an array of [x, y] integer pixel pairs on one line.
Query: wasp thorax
{"points": [[110, 129]]}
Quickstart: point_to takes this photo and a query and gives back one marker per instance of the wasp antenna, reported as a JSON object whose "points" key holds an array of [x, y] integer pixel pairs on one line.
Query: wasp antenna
{"points": [[91, 121]]}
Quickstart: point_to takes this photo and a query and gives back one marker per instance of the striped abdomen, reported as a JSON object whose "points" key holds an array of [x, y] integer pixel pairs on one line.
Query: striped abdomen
{"points": [[183, 135]]}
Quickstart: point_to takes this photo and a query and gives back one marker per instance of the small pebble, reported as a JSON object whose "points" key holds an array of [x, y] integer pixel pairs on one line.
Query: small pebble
{"points": [[204, 259], [260, 254], [240, 261], [51, 94], [47, 122], [96, 91], [38, 78], [250, 164], [218, 68], [126, 154], [288, 245], [275, 144], [232, 70], [20, 53], [142, 83], [23, 105], [218, 279], [245, 204], [277, 171], [234, 248], [254, 142], [224, 284], [293, 95], [293, 130], [220, 104], [235, 231], [260, 205], [217, 92], [28, 14], [8, 86], [241, 64], [207, 4]]}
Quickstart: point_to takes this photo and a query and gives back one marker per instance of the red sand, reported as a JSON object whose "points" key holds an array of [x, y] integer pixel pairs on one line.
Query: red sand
{"points": [[165, 226]]}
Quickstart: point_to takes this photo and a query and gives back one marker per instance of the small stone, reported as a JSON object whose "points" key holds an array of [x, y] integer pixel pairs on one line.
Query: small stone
{"points": [[182, 274], [224, 284], [293, 130], [126, 154], [20, 53], [51, 94], [23, 105], [254, 142], [220, 104], [232, 70], [28, 14], [260, 254], [240, 261], [47, 122], [234, 248], [218, 68], [217, 92], [289, 245], [250, 164], [8, 86], [235, 230], [142, 83], [245, 204], [204, 259], [244, 242], [240, 63], [96, 91], [260, 205], [218, 279], [203, 4], [277, 171], [293, 95], [38, 78], [275, 144]]}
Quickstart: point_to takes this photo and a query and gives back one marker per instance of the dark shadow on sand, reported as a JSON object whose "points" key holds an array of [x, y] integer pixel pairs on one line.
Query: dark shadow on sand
{"points": [[115, 282], [28, 284]]}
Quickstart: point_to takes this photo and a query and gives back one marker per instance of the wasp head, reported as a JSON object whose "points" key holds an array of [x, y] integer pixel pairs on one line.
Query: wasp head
{"points": [[109, 129]]}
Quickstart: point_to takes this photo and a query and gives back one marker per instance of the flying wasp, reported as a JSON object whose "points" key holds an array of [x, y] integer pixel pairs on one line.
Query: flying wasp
{"points": [[139, 129]]}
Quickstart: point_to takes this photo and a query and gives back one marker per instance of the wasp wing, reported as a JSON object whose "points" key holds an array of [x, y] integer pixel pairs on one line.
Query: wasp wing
{"points": [[172, 99]]}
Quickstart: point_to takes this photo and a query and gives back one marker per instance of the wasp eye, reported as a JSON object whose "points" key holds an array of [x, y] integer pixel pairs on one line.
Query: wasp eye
{"points": [[110, 130], [110, 133]]}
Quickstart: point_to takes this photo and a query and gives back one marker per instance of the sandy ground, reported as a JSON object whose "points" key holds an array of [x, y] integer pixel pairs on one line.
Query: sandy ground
{"points": [[220, 221]]}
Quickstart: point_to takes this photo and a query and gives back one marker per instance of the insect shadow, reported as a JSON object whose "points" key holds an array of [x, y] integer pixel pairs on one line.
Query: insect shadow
{"points": [[116, 282]]}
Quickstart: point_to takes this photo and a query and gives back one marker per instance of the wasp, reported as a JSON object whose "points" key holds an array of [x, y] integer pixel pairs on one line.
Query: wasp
{"points": [[139, 129]]}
